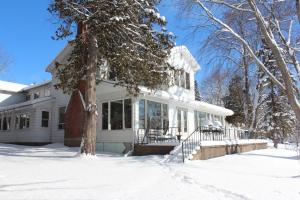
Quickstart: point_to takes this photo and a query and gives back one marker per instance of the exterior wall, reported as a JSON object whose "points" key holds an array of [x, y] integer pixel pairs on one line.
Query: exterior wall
{"points": [[35, 133], [61, 100]]}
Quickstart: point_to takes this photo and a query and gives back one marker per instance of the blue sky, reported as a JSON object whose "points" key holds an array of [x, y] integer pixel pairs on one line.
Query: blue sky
{"points": [[27, 27]]}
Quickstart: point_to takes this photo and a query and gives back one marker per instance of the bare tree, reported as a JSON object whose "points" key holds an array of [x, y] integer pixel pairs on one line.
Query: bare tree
{"points": [[271, 21], [214, 86]]}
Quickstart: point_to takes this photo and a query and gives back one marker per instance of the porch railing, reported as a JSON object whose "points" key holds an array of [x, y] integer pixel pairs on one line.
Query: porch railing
{"points": [[157, 136], [192, 143]]}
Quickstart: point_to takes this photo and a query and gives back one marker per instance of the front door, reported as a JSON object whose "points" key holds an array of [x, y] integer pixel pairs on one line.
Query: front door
{"points": [[182, 120]]}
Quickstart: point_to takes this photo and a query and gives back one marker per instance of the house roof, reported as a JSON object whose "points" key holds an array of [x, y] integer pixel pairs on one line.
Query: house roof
{"points": [[182, 50], [26, 103], [183, 53], [36, 85], [11, 87]]}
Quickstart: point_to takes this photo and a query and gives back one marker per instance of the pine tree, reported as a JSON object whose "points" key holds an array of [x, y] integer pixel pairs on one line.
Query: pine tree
{"points": [[235, 101], [277, 120], [197, 92], [125, 36]]}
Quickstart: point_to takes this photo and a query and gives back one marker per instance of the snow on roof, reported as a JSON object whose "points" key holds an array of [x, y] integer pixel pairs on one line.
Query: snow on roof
{"points": [[207, 107], [11, 87], [183, 50], [36, 85], [26, 103]]}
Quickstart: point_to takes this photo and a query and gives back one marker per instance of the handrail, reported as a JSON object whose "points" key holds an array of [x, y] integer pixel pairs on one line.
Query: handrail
{"points": [[162, 135], [193, 141]]}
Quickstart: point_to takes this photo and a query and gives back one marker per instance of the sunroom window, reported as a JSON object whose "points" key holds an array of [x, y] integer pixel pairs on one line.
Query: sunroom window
{"points": [[157, 114], [117, 114]]}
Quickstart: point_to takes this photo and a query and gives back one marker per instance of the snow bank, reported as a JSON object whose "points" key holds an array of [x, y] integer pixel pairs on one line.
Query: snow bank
{"points": [[54, 172]]}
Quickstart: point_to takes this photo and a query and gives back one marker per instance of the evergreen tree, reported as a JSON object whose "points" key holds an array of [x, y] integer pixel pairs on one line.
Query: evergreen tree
{"points": [[277, 120], [197, 92], [126, 37], [235, 101]]}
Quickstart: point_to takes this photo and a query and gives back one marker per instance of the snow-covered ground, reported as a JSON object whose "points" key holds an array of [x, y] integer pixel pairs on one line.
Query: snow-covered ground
{"points": [[55, 172]]}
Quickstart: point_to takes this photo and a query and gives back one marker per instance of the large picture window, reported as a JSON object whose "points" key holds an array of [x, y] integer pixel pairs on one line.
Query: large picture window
{"points": [[117, 114], [157, 114]]}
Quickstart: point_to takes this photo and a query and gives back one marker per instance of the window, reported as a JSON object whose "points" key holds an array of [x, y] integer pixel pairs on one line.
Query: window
{"points": [[127, 110], [200, 119], [187, 81], [17, 122], [45, 118], [182, 120], [157, 114], [182, 79], [61, 117], [142, 119], [27, 121], [5, 124], [154, 114], [36, 95], [23, 121], [105, 116], [116, 115], [179, 120], [27, 97]]}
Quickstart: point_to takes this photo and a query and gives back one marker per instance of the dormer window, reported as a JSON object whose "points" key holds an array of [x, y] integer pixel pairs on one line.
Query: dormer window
{"points": [[27, 97], [36, 95]]}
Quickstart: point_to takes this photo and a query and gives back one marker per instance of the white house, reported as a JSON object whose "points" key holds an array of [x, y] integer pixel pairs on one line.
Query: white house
{"points": [[35, 114]]}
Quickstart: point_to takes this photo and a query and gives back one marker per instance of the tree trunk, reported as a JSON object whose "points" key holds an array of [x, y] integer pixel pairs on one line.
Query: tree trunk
{"points": [[89, 130], [246, 93]]}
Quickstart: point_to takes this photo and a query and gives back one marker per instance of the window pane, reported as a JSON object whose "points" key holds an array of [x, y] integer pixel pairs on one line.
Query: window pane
{"points": [[179, 120], [142, 113], [182, 80], [185, 120], [4, 124], [27, 121], [154, 115], [116, 115], [17, 121], [45, 119], [127, 109], [165, 116], [61, 117], [187, 79], [105, 116], [8, 123], [177, 78]]}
